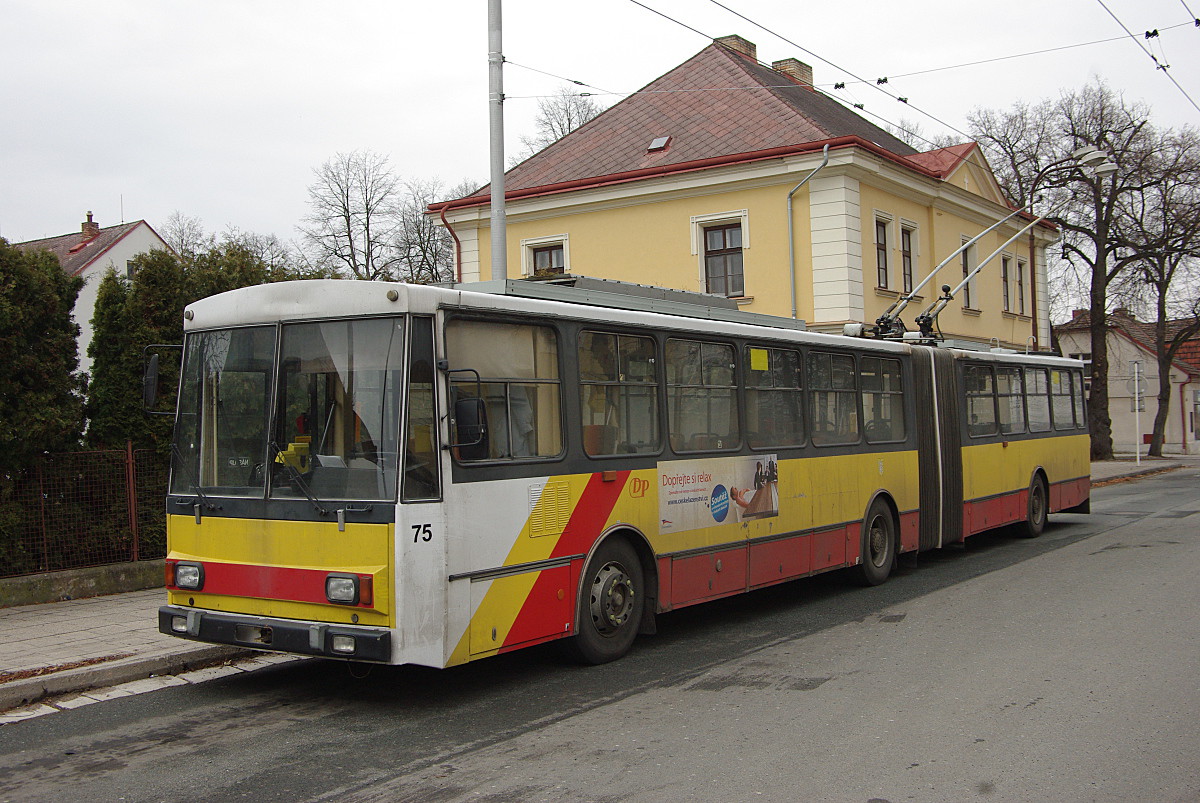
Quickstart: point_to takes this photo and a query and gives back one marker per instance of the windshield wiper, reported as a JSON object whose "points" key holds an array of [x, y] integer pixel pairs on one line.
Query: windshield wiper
{"points": [[299, 480], [177, 457]]}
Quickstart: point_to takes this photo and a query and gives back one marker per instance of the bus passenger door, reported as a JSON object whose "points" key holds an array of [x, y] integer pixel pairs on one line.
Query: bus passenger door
{"points": [[421, 531]]}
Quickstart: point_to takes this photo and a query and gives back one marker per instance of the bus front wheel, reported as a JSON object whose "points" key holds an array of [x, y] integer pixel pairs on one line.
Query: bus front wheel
{"points": [[610, 605], [878, 544], [1036, 508]]}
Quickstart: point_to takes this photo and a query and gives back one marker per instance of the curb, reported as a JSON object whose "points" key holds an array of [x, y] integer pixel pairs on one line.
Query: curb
{"points": [[30, 690], [1136, 474]]}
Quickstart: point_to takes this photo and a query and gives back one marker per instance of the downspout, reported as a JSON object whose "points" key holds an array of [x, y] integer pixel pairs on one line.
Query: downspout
{"points": [[457, 246], [1033, 310], [791, 226]]}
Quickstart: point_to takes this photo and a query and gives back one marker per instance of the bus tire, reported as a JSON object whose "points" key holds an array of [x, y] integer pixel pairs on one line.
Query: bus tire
{"points": [[610, 605], [879, 538], [1036, 508]]}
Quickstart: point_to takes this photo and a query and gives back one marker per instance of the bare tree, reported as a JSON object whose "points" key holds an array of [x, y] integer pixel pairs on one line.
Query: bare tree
{"points": [[426, 250], [185, 234], [353, 223], [1087, 207], [557, 116], [911, 133], [1163, 229]]}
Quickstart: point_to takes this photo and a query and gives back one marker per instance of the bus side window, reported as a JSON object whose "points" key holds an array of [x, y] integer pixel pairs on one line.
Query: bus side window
{"points": [[420, 478], [519, 383], [1011, 397], [1037, 399], [774, 398], [981, 400], [701, 396], [618, 394], [1060, 397], [833, 399], [883, 402]]}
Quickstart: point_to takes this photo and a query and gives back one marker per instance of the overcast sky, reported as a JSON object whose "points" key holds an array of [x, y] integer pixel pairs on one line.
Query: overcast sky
{"points": [[221, 109]]}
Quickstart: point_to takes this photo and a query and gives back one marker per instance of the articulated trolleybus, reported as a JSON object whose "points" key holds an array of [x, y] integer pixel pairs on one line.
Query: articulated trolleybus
{"points": [[419, 475]]}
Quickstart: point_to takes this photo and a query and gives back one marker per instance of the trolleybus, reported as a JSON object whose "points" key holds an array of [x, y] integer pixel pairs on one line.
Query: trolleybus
{"points": [[405, 474]]}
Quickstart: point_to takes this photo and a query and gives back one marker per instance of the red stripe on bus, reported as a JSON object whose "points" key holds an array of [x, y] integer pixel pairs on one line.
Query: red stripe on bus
{"points": [[274, 582], [550, 606]]}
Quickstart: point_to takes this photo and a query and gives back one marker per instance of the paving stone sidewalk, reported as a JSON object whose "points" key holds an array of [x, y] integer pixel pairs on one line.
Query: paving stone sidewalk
{"points": [[62, 648]]}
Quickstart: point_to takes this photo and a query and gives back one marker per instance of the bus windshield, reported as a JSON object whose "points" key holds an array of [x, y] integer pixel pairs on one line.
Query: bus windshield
{"points": [[319, 418]]}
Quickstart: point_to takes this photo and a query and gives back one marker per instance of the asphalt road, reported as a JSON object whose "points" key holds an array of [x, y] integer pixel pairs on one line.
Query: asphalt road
{"points": [[1063, 668]]}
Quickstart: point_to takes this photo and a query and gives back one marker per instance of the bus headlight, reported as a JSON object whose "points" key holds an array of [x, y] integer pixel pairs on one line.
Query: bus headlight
{"points": [[189, 575], [343, 645], [342, 589]]}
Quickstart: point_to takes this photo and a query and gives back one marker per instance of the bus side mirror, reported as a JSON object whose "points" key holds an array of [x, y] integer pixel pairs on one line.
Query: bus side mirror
{"points": [[470, 429], [150, 384], [150, 377]]}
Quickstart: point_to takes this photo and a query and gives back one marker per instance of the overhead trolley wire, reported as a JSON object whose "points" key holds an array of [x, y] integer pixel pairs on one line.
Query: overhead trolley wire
{"points": [[1158, 64]]}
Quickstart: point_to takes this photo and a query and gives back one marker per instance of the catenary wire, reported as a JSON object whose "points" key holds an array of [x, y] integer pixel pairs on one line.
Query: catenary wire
{"points": [[1157, 63]]}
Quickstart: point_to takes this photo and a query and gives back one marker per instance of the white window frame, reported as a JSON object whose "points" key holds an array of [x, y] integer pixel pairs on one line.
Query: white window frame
{"points": [[915, 240], [888, 247], [971, 293], [700, 222], [1007, 292], [529, 244]]}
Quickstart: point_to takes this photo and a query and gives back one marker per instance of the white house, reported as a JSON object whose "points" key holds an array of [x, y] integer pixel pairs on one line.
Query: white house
{"points": [[89, 254], [1131, 341]]}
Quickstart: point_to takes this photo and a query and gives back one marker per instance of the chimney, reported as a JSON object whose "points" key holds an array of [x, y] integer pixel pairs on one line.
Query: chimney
{"points": [[738, 45], [1076, 313], [795, 69], [89, 228]]}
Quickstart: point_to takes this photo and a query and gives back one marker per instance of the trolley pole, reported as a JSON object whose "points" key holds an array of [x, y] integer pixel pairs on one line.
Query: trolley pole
{"points": [[499, 237]]}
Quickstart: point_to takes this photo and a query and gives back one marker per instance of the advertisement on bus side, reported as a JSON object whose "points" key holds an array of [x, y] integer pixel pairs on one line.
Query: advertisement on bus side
{"points": [[718, 490]]}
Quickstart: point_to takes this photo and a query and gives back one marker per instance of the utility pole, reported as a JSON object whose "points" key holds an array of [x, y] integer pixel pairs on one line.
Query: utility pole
{"points": [[496, 141]]}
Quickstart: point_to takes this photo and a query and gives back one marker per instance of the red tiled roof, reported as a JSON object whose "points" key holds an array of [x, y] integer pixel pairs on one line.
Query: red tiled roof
{"points": [[76, 251], [943, 161], [1142, 334], [718, 103]]}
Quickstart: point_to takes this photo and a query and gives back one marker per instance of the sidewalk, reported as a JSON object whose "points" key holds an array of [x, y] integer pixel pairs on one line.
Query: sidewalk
{"points": [[67, 647]]}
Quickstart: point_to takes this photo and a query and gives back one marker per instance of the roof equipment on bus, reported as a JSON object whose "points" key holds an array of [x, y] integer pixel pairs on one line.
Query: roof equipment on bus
{"points": [[629, 296]]}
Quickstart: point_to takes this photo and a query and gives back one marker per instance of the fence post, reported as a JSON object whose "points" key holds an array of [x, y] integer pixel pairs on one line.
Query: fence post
{"points": [[42, 510], [131, 495]]}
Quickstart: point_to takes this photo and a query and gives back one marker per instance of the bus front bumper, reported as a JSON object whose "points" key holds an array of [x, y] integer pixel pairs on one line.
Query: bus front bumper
{"points": [[277, 635]]}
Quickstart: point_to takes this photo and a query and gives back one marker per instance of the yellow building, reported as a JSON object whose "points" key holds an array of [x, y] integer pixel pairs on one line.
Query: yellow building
{"points": [[685, 184]]}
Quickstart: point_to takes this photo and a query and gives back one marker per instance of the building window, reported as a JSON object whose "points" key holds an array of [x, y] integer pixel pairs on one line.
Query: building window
{"points": [[1020, 287], [906, 257], [546, 256], [130, 269], [548, 259], [723, 260], [881, 252], [1004, 267], [966, 271]]}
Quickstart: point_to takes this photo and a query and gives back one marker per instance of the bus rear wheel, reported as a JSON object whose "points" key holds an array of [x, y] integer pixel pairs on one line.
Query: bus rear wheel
{"points": [[878, 544], [1036, 508], [610, 605]]}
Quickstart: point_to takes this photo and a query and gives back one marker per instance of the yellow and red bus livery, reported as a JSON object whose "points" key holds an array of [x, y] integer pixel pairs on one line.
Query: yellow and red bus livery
{"points": [[405, 474]]}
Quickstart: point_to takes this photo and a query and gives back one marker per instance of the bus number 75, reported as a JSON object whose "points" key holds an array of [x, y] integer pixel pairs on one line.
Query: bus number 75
{"points": [[422, 532]]}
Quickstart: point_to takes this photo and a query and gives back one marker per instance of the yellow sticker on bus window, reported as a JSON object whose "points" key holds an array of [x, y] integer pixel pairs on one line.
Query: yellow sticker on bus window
{"points": [[759, 360]]}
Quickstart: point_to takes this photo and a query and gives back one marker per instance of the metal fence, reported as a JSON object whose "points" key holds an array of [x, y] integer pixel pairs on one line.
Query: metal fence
{"points": [[82, 509]]}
